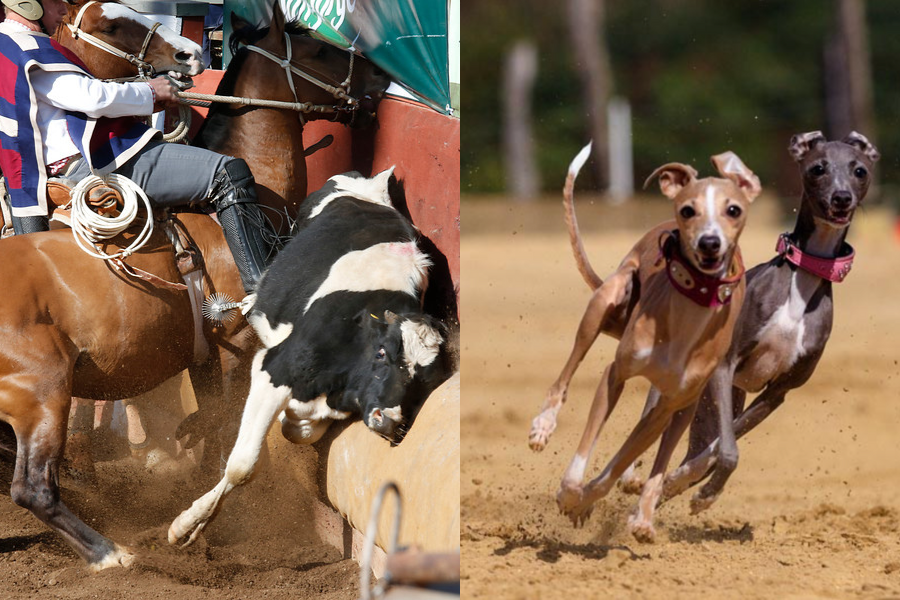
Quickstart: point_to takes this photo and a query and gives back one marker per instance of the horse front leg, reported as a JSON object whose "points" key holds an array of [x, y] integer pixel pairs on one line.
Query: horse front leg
{"points": [[40, 428]]}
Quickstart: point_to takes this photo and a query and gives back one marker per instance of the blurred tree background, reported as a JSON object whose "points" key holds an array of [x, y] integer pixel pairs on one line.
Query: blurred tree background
{"points": [[701, 76]]}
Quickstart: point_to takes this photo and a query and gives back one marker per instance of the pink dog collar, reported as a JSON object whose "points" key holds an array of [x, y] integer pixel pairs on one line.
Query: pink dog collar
{"points": [[703, 289], [831, 269]]}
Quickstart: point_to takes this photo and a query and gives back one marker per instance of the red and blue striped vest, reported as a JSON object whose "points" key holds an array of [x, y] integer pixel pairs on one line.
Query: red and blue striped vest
{"points": [[105, 143]]}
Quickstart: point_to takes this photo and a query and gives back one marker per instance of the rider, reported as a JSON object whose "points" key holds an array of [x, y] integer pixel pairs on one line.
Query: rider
{"points": [[57, 119]]}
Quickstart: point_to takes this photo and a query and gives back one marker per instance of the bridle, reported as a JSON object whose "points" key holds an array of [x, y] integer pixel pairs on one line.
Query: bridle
{"points": [[340, 91], [145, 69]]}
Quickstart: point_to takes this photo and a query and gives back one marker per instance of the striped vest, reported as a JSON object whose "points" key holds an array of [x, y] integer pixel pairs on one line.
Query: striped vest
{"points": [[105, 143]]}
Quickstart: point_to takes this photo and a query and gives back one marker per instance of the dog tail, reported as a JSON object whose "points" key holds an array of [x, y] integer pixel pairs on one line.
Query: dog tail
{"points": [[581, 259]]}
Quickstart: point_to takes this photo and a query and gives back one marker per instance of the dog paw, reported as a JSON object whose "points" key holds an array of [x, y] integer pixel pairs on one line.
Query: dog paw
{"points": [[630, 482], [701, 502], [571, 502], [641, 529], [542, 427]]}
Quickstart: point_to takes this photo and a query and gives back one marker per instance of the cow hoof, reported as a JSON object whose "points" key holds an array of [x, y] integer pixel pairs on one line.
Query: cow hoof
{"points": [[191, 522], [119, 557], [304, 431]]}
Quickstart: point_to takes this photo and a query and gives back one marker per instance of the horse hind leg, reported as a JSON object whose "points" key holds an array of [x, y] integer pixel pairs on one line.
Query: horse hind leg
{"points": [[264, 403], [40, 428]]}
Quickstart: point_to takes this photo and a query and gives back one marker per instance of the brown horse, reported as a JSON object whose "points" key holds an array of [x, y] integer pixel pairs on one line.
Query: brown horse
{"points": [[74, 325]]}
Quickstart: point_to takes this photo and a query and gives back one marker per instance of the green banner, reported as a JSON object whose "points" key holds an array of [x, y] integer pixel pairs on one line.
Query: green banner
{"points": [[408, 39]]}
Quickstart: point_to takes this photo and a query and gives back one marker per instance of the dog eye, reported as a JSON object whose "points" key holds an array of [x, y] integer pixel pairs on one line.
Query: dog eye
{"points": [[687, 212], [860, 172], [734, 211], [817, 170]]}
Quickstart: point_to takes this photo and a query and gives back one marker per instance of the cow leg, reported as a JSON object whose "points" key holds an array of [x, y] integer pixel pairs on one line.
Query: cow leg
{"points": [[40, 427], [264, 402]]}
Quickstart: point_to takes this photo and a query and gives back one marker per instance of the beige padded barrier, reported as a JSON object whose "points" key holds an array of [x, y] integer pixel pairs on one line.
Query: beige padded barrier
{"points": [[425, 466]]}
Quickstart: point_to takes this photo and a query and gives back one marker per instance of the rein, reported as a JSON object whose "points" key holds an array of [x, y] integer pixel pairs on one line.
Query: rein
{"points": [[145, 69], [341, 91]]}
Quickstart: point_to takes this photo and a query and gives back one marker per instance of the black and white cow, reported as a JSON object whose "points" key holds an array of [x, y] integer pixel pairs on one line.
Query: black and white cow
{"points": [[339, 315]]}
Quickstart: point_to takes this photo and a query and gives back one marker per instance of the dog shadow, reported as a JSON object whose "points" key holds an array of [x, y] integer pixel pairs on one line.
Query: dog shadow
{"points": [[551, 551], [697, 534]]}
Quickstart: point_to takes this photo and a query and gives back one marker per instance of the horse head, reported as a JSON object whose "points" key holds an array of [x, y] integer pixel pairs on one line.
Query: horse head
{"points": [[114, 42], [346, 87]]}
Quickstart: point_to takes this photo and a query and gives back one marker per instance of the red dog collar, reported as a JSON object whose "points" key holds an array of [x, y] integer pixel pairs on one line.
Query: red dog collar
{"points": [[831, 269], [703, 289]]}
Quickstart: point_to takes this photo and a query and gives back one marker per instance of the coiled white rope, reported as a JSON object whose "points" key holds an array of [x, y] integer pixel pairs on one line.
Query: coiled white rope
{"points": [[88, 227]]}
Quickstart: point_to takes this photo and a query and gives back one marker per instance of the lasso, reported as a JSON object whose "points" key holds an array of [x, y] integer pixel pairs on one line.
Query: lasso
{"points": [[88, 227]]}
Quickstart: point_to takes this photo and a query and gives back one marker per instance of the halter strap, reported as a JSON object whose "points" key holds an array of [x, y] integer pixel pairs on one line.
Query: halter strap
{"points": [[703, 289], [145, 69], [834, 269], [340, 92]]}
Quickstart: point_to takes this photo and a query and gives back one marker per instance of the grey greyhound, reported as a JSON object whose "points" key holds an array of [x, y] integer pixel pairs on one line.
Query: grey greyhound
{"points": [[786, 317]]}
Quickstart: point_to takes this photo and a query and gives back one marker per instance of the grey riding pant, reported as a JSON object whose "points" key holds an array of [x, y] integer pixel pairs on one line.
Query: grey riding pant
{"points": [[170, 174]]}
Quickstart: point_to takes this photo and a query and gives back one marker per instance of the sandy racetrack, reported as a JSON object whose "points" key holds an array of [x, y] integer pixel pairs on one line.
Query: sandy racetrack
{"points": [[814, 508]]}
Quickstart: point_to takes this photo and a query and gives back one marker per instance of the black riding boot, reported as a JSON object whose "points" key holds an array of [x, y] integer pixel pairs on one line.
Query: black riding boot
{"points": [[23, 225], [246, 229]]}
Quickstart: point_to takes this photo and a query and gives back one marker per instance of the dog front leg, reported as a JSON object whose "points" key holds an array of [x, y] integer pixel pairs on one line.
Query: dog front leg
{"points": [[569, 496], [601, 305], [630, 482]]}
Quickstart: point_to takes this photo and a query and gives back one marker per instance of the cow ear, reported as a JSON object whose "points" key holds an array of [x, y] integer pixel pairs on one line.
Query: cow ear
{"points": [[802, 143], [863, 143], [390, 317], [672, 178], [421, 341], [731, 167]]}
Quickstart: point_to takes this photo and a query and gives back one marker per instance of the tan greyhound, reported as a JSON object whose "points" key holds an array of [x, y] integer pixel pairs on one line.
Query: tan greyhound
{"points": [[673, 303]]}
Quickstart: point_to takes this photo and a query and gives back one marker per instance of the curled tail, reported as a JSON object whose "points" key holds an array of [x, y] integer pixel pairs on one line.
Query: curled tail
{"points": [[581, 259]]}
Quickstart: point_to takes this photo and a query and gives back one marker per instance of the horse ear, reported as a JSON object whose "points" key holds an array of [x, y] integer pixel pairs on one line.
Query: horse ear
{"points": [[277, 26], [238, 22]]}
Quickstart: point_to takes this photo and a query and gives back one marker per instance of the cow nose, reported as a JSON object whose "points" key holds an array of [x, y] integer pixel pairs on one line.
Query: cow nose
{"points": [[709, 244], [842, 200], [382, 424]]}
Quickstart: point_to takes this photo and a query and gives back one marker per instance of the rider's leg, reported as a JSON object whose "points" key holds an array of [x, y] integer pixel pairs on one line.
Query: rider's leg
{"points": [[175, 174], [33, 224]]}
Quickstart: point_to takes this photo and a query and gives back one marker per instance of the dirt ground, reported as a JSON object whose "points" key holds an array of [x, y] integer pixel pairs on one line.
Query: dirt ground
{"points": [[813, 510], [261, 545]]}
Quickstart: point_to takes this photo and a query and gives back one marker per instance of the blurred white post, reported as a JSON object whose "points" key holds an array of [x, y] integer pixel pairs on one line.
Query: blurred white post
{"points": [[621, 168], [520, 70]]}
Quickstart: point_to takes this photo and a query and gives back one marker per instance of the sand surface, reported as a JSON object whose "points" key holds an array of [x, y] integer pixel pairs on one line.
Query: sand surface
{"points": [[813, 510]]}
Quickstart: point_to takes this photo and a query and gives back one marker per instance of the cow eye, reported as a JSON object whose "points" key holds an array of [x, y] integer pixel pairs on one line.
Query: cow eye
{"points": [[860, 172], [734, 211], [380, 354], [687, 212]]}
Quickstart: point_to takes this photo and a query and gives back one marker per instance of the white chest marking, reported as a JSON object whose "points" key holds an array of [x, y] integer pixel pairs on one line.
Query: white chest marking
{"points": [[783, 334]]}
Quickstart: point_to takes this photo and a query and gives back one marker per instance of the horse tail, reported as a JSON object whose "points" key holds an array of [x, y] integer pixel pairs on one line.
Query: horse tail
{"points": [[581, 260]]}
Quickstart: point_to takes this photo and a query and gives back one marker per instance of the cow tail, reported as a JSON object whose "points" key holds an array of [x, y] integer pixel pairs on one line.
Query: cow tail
{"points": [[581, 260]]}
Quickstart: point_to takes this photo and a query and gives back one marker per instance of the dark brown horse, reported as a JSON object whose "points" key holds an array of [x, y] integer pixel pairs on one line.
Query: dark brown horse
{"points": [[74, 325]]}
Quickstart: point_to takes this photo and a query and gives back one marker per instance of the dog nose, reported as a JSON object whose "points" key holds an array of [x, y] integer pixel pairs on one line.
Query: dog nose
{"points": [[709, 244], [842, 200]]}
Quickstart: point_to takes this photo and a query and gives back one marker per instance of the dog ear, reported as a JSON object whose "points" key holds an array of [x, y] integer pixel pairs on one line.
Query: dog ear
{"points": [[862, 142], [802, 143], [731, 167], [672, 178]]}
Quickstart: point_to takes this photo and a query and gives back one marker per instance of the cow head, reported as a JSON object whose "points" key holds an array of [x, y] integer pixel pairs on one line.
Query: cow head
{"points": [[400, 352]]}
